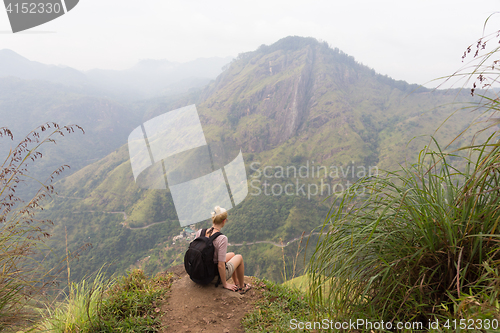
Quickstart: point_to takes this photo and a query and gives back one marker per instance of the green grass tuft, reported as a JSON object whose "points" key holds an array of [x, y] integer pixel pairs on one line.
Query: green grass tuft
{"points": [[278, 306], [423, 245], [129, 304]]}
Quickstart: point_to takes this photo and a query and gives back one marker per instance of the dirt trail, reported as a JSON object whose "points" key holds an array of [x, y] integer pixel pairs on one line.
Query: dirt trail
{"points": [[194, 308]]}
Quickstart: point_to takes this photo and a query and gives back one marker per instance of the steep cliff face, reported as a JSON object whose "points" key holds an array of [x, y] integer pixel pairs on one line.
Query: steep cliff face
{"points": [[270, 87], [303, 97], [295, 88]]}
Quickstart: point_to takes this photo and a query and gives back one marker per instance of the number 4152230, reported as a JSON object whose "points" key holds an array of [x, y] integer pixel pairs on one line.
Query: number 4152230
{"points": [[34, 8]]}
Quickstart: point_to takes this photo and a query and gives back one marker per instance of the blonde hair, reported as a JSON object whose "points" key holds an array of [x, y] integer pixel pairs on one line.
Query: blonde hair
{"points": [[219, 215]]}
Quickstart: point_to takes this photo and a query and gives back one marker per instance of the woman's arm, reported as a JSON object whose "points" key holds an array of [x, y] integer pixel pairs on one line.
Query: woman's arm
{"points": [[221, 249], [222, 273]]}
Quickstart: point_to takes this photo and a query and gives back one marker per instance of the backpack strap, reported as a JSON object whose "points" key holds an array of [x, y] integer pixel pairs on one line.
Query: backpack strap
{"points": [[212, 238]]}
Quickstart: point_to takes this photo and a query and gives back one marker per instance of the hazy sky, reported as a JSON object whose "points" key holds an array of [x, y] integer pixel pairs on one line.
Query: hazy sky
{"points": [[415, 41]]}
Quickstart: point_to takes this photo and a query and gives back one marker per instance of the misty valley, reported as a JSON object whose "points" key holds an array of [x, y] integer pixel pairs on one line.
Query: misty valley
{"points": [[310, 121]]}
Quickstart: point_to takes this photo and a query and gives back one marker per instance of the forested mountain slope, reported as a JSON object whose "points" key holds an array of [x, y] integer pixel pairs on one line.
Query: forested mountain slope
{"points": [[312, 115]]}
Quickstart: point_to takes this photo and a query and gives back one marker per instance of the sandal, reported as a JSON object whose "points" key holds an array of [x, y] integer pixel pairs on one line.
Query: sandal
{"points": [[246, 288]]}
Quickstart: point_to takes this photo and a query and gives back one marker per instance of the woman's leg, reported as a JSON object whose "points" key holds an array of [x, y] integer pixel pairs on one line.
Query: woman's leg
{"points": [[229, 256], [239, 270]]}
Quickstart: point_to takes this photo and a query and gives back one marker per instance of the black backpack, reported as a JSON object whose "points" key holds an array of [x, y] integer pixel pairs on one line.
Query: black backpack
{"points": [[199, 259]]}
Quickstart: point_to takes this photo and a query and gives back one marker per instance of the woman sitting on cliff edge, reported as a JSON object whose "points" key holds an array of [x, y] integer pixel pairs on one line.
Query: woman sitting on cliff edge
{"points": [[228, 264]]}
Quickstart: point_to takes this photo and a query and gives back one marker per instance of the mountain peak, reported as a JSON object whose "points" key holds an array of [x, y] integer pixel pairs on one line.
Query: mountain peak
{"points": [[9, 55], [290, 43], [278, 91]]}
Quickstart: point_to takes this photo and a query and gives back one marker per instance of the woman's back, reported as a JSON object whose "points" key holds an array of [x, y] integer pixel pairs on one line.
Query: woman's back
{"points": [[220, 245]]}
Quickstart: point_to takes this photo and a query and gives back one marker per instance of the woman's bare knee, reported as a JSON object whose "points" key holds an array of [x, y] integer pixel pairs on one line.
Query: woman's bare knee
{"points": [[236, 260], [229, 256]]}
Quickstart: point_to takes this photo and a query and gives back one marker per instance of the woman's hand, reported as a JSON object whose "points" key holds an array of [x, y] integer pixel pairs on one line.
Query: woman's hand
{"points": [[230, 286]]}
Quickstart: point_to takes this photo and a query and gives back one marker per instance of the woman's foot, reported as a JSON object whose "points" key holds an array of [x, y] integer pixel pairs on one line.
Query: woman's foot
{"points": [[245, 288]]}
